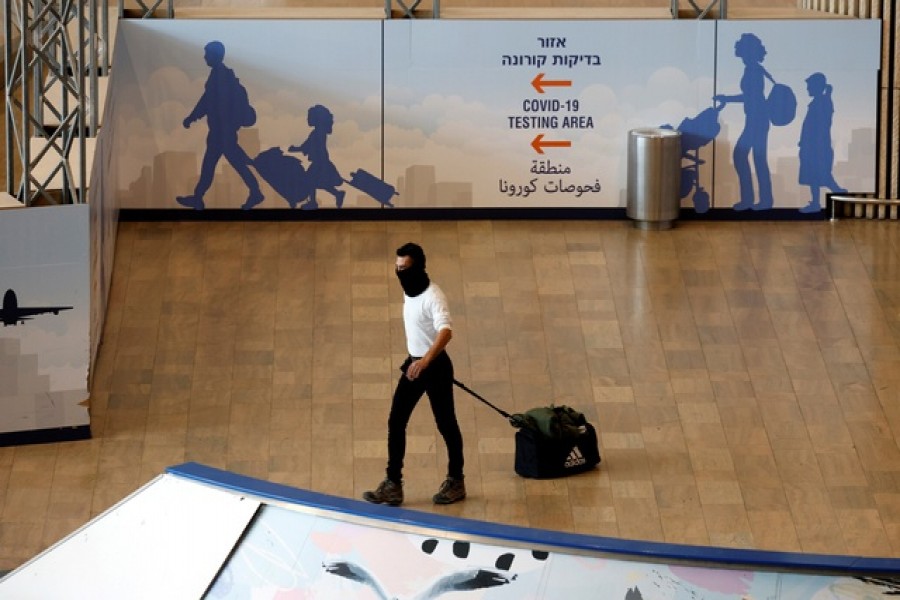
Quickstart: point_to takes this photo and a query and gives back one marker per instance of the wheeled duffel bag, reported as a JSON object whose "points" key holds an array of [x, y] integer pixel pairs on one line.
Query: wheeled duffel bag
{"points": [[551, 441], [545, 456]]}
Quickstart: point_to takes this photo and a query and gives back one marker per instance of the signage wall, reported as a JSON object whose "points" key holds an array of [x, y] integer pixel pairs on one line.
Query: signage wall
{"points": [[395, 114]]}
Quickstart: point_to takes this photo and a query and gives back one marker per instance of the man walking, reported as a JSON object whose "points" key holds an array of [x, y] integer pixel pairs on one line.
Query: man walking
{"points": [[427, 370], [225, 105]]}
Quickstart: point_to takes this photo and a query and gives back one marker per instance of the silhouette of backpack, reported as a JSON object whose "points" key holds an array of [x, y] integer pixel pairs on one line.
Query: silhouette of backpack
{"points": [[246, 114], [781, 103]]}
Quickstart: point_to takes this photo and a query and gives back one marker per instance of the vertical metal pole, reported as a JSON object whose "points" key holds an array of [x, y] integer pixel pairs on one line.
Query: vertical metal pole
{"points": [[26, 129], [8, 64], [86, 59], [94, 65], [103, 59]]}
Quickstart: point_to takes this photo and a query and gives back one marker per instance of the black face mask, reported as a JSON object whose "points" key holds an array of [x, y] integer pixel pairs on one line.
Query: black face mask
{"points": [[414, 280]]}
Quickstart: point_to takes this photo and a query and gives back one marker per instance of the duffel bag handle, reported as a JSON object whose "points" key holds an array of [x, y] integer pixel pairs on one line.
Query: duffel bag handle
{"points": [[517, 421]]}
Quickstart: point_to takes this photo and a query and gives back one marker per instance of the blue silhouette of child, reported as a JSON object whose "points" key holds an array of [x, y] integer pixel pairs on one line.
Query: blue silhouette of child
{"points": [[755, 136], [322, 173], [816, 151], [226, 108]]}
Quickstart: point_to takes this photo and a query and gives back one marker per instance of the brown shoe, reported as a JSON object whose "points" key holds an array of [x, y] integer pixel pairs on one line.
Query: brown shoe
{"points": [[452, 490], [387, 492]]}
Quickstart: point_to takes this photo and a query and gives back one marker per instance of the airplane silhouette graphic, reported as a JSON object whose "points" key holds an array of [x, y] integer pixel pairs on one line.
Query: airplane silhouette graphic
{"points": [[13, 314]]}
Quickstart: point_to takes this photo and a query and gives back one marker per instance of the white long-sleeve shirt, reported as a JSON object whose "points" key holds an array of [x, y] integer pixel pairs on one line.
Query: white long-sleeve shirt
{"points": [[423, 317]]}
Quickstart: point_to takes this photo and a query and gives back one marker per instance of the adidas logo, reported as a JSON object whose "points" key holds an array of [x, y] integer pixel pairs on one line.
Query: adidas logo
{"points": [[575, 458]]}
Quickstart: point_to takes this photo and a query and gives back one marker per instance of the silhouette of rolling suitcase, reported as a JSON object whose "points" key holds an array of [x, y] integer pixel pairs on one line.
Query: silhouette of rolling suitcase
{"points": [[372, 186], [285, 174]]}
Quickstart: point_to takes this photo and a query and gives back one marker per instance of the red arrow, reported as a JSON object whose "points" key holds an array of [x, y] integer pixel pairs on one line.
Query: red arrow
{"points": [[540, 83], [538, 144]]}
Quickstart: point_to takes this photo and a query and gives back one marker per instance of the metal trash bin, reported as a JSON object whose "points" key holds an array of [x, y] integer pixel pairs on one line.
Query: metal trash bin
{"points": [[654, 177]]}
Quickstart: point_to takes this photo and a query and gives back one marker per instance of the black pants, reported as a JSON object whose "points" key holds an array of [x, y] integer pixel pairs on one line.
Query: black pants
{"points": [[437, 382]]}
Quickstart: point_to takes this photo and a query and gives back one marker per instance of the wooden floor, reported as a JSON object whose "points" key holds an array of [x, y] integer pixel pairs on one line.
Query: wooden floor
{"points": [[744, 377]]}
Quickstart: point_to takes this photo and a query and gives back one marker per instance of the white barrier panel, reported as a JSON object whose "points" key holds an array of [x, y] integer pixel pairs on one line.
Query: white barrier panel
{"points": [[195, 527], [167, 540]]}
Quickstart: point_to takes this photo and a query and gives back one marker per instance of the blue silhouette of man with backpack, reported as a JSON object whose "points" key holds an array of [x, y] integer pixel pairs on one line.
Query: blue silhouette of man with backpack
{"points": [[226, 107]]}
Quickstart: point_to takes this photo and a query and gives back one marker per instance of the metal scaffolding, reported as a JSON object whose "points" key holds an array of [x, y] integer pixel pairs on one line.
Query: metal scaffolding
{"points": [[146, 10], [701, 12], [55, 51]]}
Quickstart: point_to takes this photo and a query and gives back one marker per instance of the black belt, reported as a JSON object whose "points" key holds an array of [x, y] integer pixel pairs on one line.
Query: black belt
{"points": [[421, 357]]}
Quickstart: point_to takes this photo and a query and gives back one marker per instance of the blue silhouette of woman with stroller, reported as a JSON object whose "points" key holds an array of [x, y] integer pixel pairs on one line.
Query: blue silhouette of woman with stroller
{"points": [[816, 151], [755, 136], [321, 173]]}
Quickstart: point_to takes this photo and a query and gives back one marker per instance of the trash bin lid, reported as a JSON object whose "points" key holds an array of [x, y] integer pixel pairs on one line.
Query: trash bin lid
{"points": [[655, 132]]}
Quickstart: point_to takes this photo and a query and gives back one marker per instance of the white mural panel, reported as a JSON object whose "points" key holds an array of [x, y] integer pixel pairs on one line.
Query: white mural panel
{"points": [[287, 554], [827, 143], [44, 345], [184, 130], [532, 114], [493, 114]]}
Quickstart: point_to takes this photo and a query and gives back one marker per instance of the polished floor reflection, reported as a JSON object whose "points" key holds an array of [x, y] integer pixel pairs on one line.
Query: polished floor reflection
{"points": [[743, 376]]}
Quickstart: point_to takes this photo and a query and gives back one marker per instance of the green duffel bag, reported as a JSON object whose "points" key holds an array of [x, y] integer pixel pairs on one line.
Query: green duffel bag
{"points": [[556, 422]]}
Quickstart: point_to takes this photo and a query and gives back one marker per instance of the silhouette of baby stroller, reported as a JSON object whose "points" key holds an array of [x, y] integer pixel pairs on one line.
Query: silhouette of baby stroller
{"points": [[696, 133]]}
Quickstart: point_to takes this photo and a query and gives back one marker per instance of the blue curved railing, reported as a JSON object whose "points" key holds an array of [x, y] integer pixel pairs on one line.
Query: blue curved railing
{"points": [[565, 542]]}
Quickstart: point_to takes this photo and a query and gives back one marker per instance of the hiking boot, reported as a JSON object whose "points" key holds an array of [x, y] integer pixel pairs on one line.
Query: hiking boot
{"points": [[452, 490], [388, 492]]}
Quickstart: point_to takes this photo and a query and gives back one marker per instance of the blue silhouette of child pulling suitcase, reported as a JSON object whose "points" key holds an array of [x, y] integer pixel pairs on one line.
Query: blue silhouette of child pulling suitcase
{"points": [[298, 184]]}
